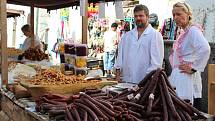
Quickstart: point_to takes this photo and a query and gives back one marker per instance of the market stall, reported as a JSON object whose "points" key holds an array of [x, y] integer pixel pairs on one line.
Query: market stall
{"points": [[41, 92], [120, 102], [10, 103], [49, 5], [12, 13]]}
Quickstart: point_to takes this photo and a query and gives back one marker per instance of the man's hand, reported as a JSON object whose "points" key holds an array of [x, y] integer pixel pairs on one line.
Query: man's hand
{"points": [[118, 79], [185, 68], [118, 76]]}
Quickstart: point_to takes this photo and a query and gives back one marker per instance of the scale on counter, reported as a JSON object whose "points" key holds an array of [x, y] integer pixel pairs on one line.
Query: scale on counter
{"points": [[116, 89]]}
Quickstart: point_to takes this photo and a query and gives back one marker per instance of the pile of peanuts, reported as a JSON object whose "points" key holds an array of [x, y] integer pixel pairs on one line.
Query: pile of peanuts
{"points": [[54, 77]]}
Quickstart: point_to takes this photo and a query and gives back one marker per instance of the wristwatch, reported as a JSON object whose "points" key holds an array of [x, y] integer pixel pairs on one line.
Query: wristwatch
{"points": [[193, 70]]}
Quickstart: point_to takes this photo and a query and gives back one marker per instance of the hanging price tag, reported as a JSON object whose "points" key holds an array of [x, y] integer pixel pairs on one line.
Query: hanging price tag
{"points": [[101, 10], [83, 4], [119, 10]]}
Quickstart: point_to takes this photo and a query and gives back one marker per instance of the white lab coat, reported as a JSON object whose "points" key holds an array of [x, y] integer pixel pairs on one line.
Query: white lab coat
{"points": [[195, 50], [27, 43], [137, 57]]}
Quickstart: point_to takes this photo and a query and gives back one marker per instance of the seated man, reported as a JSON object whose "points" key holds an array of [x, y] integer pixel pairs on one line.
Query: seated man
{"points": [[26, 29]]}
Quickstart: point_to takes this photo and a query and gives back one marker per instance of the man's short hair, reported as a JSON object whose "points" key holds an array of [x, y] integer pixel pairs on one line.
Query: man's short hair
{"points": [[141, 7], [26, 28], [114, 25]]}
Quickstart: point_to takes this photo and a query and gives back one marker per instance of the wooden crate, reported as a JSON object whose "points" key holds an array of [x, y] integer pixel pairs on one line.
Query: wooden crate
{"points": [[211, 89]]}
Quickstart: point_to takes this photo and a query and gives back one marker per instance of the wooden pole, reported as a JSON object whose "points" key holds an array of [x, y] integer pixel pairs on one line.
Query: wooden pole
{"points": [[3, 40], [85, 24], [32, 26]]}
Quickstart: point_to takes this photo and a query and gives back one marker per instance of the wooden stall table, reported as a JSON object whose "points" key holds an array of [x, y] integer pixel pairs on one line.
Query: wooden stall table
{"points": [[22, 109]]}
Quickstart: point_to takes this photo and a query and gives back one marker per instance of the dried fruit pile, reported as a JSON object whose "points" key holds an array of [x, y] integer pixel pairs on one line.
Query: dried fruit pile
{"points": [[54, 77], [12, 52], [35, 54]]}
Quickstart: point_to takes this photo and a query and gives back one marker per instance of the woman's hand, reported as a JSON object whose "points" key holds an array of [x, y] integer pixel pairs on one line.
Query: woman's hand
{"points": [[186, 68]]}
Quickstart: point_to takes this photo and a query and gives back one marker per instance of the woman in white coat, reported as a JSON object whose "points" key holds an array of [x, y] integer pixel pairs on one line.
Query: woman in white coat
{"points": [[189, 55]]}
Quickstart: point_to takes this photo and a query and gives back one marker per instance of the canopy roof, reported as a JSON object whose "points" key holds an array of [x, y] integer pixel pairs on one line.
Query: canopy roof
{"points": [[52, 4], [14, 13]]}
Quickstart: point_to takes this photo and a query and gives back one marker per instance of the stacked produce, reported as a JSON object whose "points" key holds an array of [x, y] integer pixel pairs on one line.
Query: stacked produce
{"points": [[35, 54], [74, 60], [153, 99], [55, 77]]}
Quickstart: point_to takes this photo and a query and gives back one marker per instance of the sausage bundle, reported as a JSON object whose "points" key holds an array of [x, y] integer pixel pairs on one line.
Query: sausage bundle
{"points": [[153, 99]]}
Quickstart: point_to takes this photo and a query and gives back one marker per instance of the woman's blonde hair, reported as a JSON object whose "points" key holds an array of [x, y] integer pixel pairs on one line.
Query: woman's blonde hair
{"points": [[186, 8]]}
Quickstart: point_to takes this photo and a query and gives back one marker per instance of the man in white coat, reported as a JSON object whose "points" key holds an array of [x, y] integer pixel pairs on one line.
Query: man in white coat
{"points": [[141, 50]]}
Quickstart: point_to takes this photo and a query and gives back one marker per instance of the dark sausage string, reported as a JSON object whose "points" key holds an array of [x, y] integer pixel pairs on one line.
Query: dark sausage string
{"points": [[153, 100]]}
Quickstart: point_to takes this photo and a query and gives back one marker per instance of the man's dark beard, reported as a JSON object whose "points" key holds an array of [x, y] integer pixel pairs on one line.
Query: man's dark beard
{"points": [[140, 25]]}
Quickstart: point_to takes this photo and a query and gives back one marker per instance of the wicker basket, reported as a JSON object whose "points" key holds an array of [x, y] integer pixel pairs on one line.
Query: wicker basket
{"points": [[67, 89]]}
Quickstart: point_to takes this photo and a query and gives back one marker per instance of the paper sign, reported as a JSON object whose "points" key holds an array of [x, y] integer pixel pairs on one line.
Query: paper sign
{"points": [[119, 10], [83, 4], [101, 10]]}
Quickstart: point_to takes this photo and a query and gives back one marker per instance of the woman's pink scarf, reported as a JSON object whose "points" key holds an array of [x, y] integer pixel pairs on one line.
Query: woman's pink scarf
{"points": [[177, 47]]}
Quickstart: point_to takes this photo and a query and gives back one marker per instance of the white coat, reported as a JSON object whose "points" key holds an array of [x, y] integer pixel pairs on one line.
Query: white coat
{"points": [[195, 50], [137, 57]]}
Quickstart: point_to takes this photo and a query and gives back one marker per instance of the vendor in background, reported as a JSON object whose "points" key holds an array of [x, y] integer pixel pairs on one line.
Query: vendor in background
{"points": [[141, 50], [153, 20], [26, 29], [110, 45], [189, 56]]}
